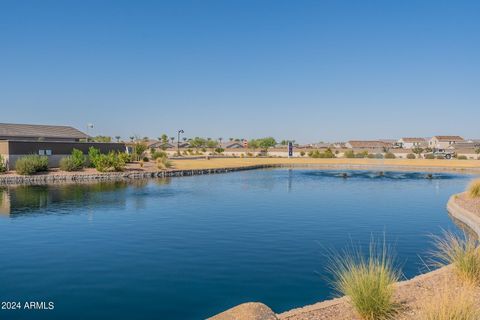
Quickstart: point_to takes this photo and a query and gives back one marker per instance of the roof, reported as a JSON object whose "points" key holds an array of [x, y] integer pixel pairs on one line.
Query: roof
{"points": [[368, 144], [413, 140], [231, 144], [449, 138], [40, 131]]}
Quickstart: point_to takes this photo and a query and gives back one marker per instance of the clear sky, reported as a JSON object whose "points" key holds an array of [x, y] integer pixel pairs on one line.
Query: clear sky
{"points": [[304, 70]]}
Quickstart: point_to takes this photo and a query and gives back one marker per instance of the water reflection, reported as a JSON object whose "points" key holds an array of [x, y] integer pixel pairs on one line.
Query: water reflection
{"points": [[21, 200]]}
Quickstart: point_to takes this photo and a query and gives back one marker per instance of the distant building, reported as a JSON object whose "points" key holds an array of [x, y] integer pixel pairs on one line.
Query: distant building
{"points": [[55, 142], [232, 145], [443, 142], [367, 144], [411, 143]]}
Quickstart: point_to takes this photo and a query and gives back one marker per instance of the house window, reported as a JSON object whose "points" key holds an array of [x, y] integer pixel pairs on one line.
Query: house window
{"points": [[48, 152], [41, 152]]}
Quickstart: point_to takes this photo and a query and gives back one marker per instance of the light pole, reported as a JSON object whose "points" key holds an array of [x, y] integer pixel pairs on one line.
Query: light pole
{"points": [[178, 141], [89, 126]]}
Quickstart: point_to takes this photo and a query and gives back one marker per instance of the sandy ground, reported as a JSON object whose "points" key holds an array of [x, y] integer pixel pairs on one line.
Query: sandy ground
{"points": [[408, 163], [472, 205], [411, 295]]}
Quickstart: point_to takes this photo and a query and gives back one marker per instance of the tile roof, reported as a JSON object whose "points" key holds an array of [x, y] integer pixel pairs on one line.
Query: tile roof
{"points": [[413, 139], [449, 138], [39, 131], [368, 144]]}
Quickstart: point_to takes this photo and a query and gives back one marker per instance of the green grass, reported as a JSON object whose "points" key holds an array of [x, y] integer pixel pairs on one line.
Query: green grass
{"points": [[367, 281], [460, 251], [474, 189]]}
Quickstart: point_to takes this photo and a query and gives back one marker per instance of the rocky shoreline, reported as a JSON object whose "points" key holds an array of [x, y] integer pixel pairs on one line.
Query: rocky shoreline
{"points": [[411, 294], [114, 176]]}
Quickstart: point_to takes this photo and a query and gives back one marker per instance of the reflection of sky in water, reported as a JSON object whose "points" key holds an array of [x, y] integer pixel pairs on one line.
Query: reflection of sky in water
{"points": [[187, 248]]}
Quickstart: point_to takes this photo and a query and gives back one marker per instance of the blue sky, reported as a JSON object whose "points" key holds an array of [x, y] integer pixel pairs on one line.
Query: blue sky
{"points": [[304, 70]]}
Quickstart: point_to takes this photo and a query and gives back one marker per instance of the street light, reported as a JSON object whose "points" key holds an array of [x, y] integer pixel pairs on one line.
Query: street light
{"points": [[89, 126], [178, 141]]}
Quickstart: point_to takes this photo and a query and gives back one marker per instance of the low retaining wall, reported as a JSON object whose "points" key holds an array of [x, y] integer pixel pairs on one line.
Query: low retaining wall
{"points": [[115, 176], [471, 219]]}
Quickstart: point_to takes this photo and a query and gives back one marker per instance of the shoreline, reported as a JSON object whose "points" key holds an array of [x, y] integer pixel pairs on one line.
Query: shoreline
{"points": [[187, 167], [410, 293]]}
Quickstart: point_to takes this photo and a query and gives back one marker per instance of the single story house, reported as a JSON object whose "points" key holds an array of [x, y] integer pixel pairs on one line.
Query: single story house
{"points": [[367, 145], [55, 142], [443, 142], [232, 145], [411, 143]]}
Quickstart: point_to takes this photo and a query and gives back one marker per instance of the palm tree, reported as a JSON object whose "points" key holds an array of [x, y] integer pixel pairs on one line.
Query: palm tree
{"points": [[117, 138], [132, 138], [172, 139], [231, 139], [220, 140], [184, 139]]}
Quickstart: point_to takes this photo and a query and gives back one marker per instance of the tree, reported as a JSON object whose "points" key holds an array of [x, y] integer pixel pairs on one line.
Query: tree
{"points": [[132, 138], [198, 143], [138, 150], [102, 139], [231, 139], [417, 150], [220, 140], [117, 138], [184, 139], [477, 151], [172, 139], [266, 143], [212, 144], [253, 144]]}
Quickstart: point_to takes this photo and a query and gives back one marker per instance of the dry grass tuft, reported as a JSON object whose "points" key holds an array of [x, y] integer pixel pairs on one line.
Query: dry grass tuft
{"points": [[368, 282], [449, 304], [474, 189], [460, 251]]}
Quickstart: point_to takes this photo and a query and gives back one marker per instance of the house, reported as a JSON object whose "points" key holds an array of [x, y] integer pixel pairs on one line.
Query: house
{"points": [[368, 145], [35, 132], [411, 143], [55, 142], [232, 145], [443, 142]]}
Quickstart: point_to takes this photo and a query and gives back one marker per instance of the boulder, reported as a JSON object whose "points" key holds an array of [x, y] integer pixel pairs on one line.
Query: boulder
{"points": [[247, 311]]}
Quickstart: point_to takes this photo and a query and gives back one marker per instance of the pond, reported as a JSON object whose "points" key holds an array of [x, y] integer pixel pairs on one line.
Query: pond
{"points": [[188, 248]]}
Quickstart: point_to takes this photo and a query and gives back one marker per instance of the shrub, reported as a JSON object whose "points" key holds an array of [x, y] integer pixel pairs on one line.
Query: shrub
{"points": [[109, 162], [93, 155], [474, 189], [429, 156], [368, 282], [74, 162], [3, 165], [349, 154], [302, 153], [411, 156], [389, 155], [163, 163], [125, 157], [31, 164], [460, 251], [145, 159], [249, 154], [462, 157], [159, 154], [370, 156], [448, 304], [219, 150]]}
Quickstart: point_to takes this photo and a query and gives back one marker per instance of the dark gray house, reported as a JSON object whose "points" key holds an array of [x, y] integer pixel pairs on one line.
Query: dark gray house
{"points": [[56, 142]]}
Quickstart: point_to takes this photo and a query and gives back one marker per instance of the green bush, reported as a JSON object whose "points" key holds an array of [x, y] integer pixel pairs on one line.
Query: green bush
{"points": [[302, 153], [159, 154], [371, 156], [93, 155], [74, 162], [430, 156], [125, 157], [31, 164], [389, 155], [411, 156], [219, 150], [109, 162], [349, 154], [363, 154], [3, 165], [145, 159]]}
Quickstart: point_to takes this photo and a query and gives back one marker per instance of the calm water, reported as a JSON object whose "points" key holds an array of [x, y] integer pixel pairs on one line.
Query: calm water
{"points": [[190, 247]]}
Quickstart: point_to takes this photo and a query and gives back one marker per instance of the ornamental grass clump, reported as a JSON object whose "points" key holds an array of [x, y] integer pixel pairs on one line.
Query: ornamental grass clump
{"points": [[367, 281], [449, 304], [3, 165], [460, 251], [74, 162], [163, 163], [474, 189]]}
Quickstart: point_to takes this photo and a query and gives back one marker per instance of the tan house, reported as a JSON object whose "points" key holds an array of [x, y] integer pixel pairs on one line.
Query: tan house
{"points": [[367, 144], [55, 142], [443, 142], [411, 143]]}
